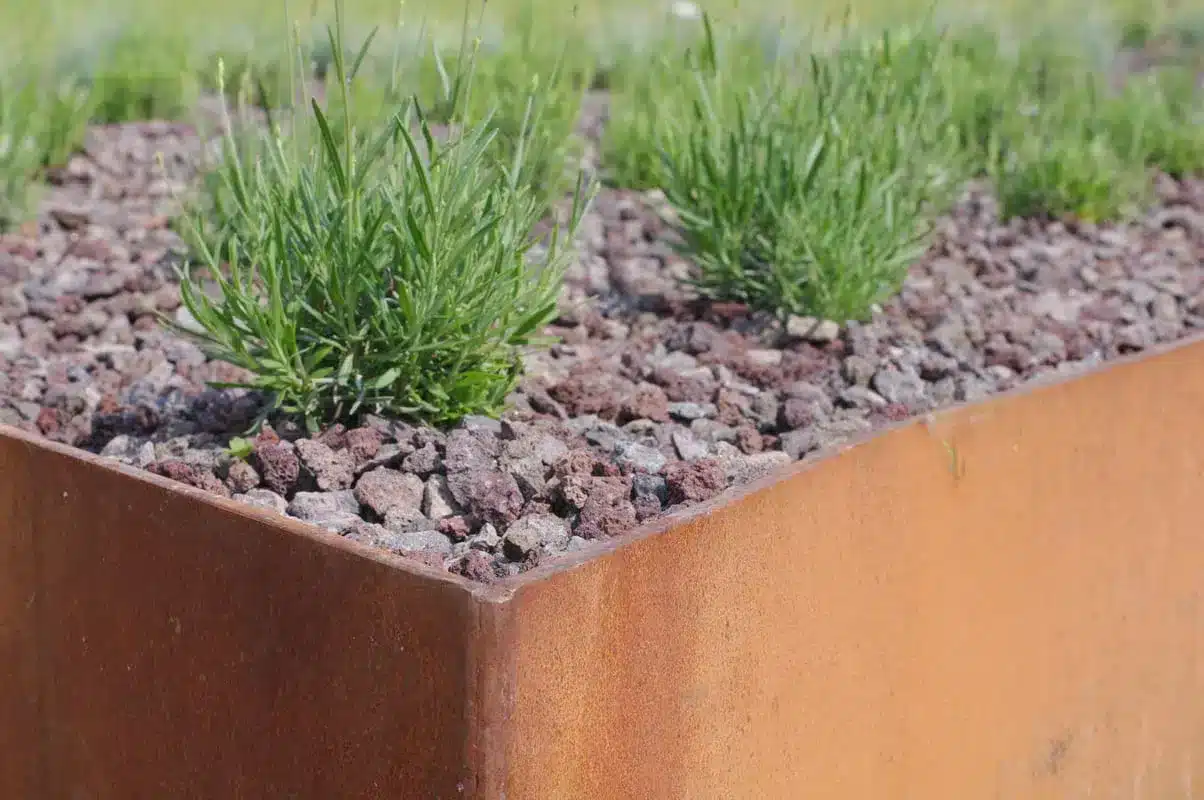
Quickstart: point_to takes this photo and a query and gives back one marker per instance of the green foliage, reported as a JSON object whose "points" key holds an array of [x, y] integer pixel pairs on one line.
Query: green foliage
{"points": [[810, 197], [1158, 118], [145, 76], [377, 270], [652, 87], [67, 107], [21, 152], [41, 125], [534, 81]]}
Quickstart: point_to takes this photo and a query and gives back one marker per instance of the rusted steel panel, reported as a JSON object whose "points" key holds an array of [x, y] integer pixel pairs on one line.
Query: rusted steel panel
{"points": [[1003, 603], [191, 649], [20, 723]]}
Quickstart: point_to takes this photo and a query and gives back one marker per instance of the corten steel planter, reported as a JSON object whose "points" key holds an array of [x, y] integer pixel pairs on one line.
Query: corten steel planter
{"points": [[1002, 601]]}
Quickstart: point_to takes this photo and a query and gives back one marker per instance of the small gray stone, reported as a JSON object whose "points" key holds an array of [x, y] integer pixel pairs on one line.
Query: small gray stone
{"points": [[861, 397], [645, 486], [576, 543], [122, 448], [437, 500], [264, 498], [605, 435], [479, 423], [823, 435], [688, 412], [532, 532], [423, 461], [858, 370], [899, 386], [639, 457], [416, 541], [470, 450], [764, 409], [531, 475], [486, 539], [764, 358], [744, 469], [817, 331], [971, 389], [331, 470], [708, 430], [384, 489], [389, 455], [404, 519], [331, 510], [689, 448]]}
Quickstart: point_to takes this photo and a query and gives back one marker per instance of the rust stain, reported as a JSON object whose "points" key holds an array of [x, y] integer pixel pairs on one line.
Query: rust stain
{"points": [[861, 626]]}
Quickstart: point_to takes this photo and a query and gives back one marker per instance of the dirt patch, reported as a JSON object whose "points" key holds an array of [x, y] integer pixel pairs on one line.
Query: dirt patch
{"points": [[650, 402]]}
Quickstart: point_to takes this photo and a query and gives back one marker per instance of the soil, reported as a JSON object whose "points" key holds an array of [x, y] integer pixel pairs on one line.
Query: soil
{"points": [[651, 401]]}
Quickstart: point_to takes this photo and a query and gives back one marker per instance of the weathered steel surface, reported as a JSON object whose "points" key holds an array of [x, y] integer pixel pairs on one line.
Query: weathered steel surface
{"points": [[1025, 620], [188, 650], [1002, 602], [20, 752]]}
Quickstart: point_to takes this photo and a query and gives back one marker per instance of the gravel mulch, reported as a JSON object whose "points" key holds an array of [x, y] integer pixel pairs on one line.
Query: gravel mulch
{"points": [[650, 403]]}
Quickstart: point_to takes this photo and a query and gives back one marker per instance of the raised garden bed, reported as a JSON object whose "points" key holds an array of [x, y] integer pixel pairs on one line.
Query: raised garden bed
{"points": [[619, 584], [1000, 599]]}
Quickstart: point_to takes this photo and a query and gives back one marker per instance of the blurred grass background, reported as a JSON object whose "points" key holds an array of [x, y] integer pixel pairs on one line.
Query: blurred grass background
{"points": [[38, 28]]}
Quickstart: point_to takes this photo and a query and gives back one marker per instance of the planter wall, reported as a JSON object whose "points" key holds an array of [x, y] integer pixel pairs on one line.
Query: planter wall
{"points": [[1004, 601]]}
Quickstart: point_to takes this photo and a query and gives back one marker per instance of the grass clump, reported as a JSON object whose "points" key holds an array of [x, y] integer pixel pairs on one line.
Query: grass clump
{"points": [[380, 271], [810, 197], [145, 76], [1057, 139], [21, 153], [41, 125], [530, 87]]}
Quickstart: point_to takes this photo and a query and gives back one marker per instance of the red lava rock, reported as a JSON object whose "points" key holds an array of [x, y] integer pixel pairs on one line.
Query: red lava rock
{"points": [[330, 470], [48, 421], [648, 401], [694, 481], [455, 528], [896, 412], [583, 462], [732, 407], [488, 495], [607, 511], [681, 389], [267, 435], [334, 437], [590, 389], [384, 489], [470, 450], [279, 467], [749, 440], [646, 507], [363, 443], [190, 475], [476, 566], [242, 477]]}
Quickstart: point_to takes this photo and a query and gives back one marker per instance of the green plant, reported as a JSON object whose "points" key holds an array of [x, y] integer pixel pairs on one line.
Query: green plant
{"points": [[651, 87], [378, 271], [810, 197], [67, 107], [21, 147], [531, 89], [145, 76], [1158, 118]]}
